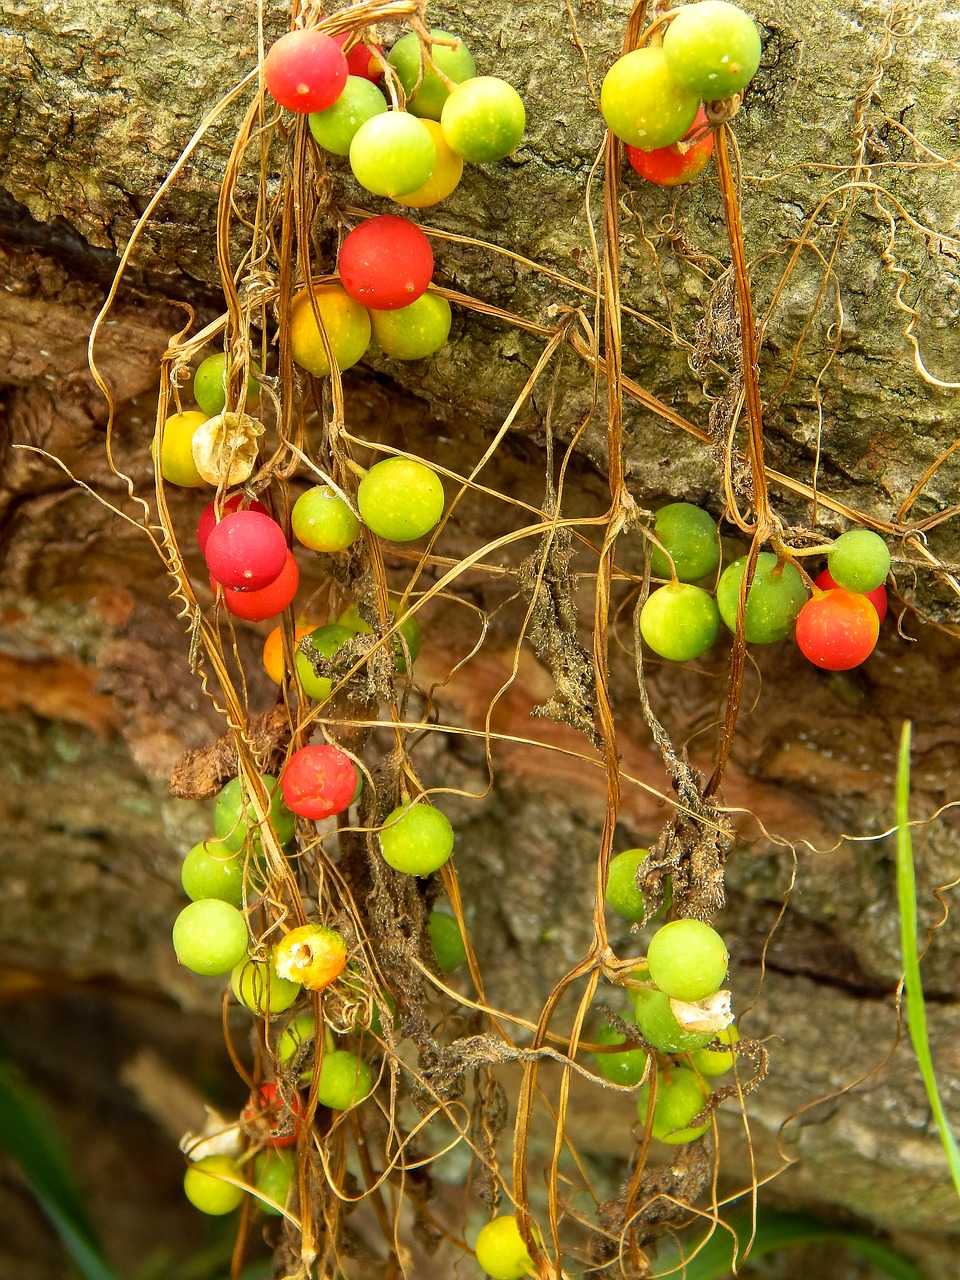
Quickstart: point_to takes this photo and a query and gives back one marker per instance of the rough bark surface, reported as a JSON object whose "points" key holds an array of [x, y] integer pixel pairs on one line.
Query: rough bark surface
{"points": [[96, 699]]}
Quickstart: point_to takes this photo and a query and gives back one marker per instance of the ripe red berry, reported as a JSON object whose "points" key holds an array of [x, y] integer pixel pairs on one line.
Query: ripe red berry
{"points": [[386, 263], [877, 597], [246, 551], [319, 781], [837, 630], [361, 60], [679, 162], [274, 1119], [305, 71], [255, 606], [208, 516]]}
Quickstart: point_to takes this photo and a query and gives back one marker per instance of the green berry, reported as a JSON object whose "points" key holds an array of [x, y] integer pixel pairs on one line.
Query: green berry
{"points": [[712, 49], [259, 988], [344, 1080], [501, 1251], [210, 870], [210, 386], [679, 622], [400, 499], [622, 1068], [376, 1023], [210, 936], [392, 154], [680, 1097], [322, 520], [416, 839], [714, 1062], [409, 630], [447, 940], [299, 1032], [483, 119], [455, 61], [642, 103], [687, 960], [859, 561], [689, 534], [413, 332], [335, 128], [660, 1028], [622, 895], [776, 596], [204, 1187], [232, 820], [273, 1175], [326, 641]]}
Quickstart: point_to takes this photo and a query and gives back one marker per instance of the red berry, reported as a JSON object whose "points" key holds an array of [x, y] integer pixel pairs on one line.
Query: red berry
{"points": [[386, 263], [255, 606], [246, 551], [877, 597], [837, 630], [305, 71], [208, 516], [273, 1121], [319, 781], [679, 162], [360, 59]]}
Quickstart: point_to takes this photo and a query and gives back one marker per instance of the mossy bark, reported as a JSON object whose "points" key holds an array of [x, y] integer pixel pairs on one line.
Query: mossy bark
{"points": [[838, 140]]}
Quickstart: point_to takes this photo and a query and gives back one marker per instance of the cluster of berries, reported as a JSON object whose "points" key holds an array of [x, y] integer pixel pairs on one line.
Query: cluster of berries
{"points": [[222, 876], [650, 98], [412, 153], [681, 1013], [385, 267], [225, 876], [837, 624]]}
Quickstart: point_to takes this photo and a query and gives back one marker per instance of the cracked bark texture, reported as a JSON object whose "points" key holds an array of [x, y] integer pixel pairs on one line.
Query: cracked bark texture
{"points": [[96, 701]]}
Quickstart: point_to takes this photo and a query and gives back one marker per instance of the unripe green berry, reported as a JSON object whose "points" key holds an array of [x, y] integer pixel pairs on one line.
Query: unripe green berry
{"points": [[859, 561], [622, 895], [259, 988], [416, 839], [344, 1080], [210, 936], [204, 1187], [687, 960], [680, 1097]]}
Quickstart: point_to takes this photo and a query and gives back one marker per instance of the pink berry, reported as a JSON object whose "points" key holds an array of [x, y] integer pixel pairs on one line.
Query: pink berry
{"points": [[361, 60], [208, 516], [386, 263], [256, 606], [319, 781], [246, 551], [305, 71], [877, 597]]}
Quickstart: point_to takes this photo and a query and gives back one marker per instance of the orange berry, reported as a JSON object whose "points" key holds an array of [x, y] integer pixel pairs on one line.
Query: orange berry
{"points": [[273, 651]]}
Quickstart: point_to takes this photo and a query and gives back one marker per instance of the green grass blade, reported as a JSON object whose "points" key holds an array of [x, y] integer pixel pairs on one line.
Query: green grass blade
{"points": [[916, 1009], [776, 1231], [29, 1136]]}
